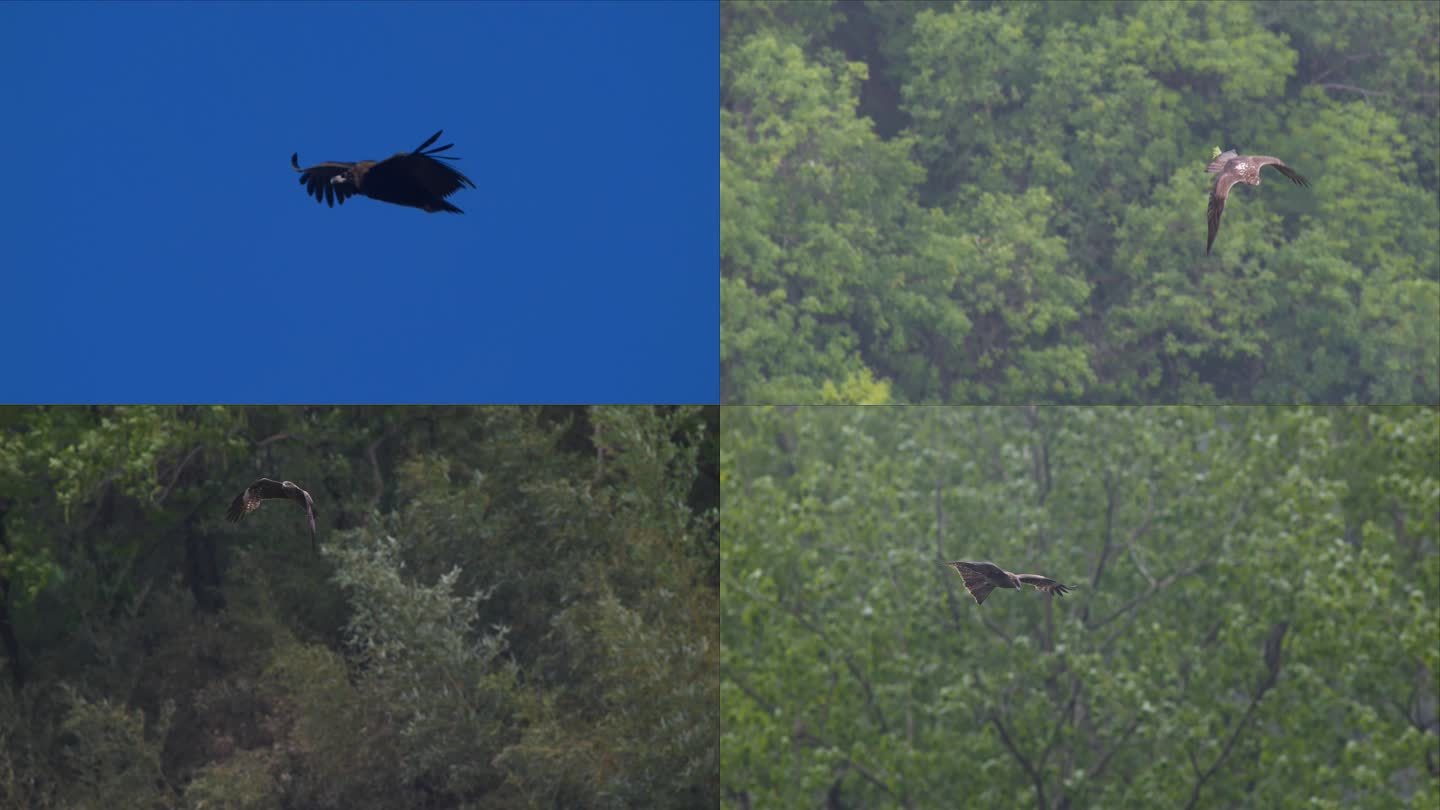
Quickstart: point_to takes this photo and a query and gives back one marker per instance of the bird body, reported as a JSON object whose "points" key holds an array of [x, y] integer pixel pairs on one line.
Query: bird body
{"points": [[265, 489], [416, 179], [1232, 168], [983, 577]]}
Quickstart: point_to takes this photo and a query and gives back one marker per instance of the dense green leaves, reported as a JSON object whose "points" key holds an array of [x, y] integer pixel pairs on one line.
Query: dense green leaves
{"points": [[1254, 622], [981, 202], [511, 607]]}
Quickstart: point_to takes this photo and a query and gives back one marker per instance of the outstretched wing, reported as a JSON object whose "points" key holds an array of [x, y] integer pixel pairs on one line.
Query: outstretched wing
{"points": [[1261, 161], [427, 172], [418, 178], [1045, 584], [317, 180], [266, 489], [1217, 204], [309, 504], [976, 578], [249, 500], [240, 507]]}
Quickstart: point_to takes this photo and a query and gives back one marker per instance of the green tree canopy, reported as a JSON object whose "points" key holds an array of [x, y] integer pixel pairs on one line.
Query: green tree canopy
{"points": [[512, 607], [979, 202], [1254, 622]]}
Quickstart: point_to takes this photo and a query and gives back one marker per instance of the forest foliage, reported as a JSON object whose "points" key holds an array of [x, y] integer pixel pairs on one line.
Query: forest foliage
{"points": [[511, 607], [1254, 622], [981, 202]]}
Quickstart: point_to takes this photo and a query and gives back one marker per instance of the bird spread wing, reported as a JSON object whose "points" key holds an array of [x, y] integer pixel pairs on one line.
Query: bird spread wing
{"points": [[976, 578], [266, 489], [1045, 584], [432, 139], [237, 508], [309, 504], [317, 180], [1293, 176], [249, 500], [417, 179], [1217, 204], [429, 174]]}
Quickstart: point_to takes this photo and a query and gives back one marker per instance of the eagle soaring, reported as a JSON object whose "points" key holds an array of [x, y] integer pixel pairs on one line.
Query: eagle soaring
{"points": [[983, 577], [265, 489], [1231, 169], [417, 179]]}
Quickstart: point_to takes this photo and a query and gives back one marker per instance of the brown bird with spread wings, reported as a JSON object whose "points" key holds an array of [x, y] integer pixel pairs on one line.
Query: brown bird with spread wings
{"points": [[983, 577], [417, 179], [265, 489], [1232, 169]]}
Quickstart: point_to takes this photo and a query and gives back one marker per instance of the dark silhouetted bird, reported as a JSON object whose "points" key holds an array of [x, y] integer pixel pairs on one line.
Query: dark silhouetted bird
{"points": [[983, 577], [417, 179], [1232, 169], [265, 489]]}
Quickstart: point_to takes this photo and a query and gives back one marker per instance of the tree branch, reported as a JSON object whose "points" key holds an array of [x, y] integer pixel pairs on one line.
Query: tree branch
{"points": [[1352, 88], [1273, 646], [1099, 767], [834, 647], [268, 440], [175, 475], [803, 732], [375, 468], [1024, 763], [1155, 587]]}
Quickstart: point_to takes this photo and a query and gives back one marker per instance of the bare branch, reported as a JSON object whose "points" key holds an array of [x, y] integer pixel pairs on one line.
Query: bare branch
{"points": [[834, 647], [1345, 60], [1272, 663], [802, 731], [375, 468], [175, 474], [278, 437], [1352, 88], [1024, 763], [1099, 768], [1155, 588]]}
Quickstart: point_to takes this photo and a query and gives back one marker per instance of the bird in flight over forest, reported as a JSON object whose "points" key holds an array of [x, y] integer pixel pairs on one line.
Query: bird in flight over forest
{"points": [[265, 489], [417, 179], [1231, 169], [983, 577]]}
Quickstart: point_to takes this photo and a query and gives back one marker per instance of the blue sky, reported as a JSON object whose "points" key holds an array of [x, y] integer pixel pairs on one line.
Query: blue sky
{"points": [[155, 244]]}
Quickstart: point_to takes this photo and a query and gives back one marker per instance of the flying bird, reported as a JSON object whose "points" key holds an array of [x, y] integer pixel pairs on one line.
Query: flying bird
{"points": [[1232, 169], [417, 179], [265, 489], [983, 577]]}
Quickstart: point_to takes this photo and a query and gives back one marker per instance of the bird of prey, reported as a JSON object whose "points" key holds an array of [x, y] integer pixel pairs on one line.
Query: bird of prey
{"points": [[983, 577], [417, 179], [265, 489], [1231, 169]]}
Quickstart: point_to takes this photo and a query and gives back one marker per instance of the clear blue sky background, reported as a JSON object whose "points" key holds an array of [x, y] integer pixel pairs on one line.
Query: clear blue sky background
{"points": [[155, 244]]}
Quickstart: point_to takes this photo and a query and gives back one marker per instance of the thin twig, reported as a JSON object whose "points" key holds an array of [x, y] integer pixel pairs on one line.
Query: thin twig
{"points": [[770, 709], [1352, 88], [375, 468], [175, 476], [834, 647], [1273, 646], [1024, 763]]}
